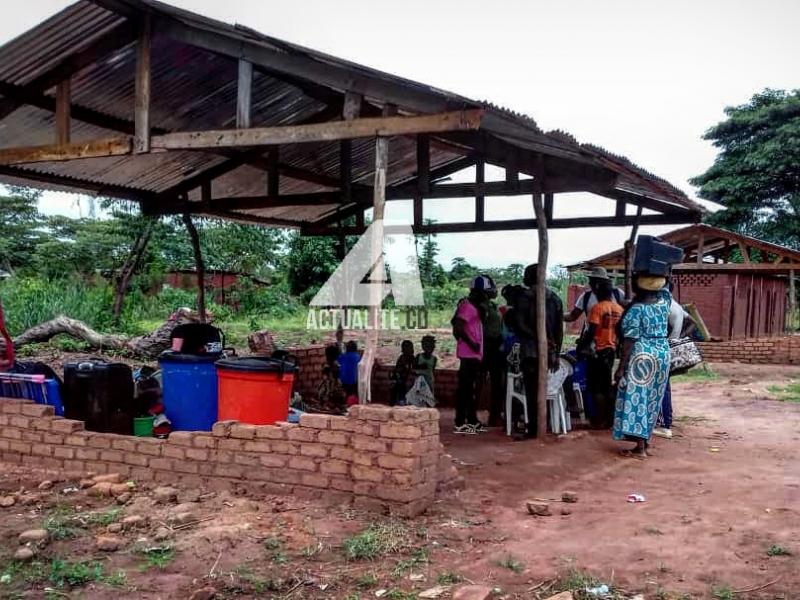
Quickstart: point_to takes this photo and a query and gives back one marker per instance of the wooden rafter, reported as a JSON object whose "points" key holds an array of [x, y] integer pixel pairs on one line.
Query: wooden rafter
{"points": [[319, 132], [119, 146]]}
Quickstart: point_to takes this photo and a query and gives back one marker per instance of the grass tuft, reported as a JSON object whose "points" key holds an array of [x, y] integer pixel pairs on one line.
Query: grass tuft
{"points": [[786, 393], [776, 550], [511, 563], [702, 372], [377, 540], [449, 578], [157, 557], [722, 592], [74, 573]]}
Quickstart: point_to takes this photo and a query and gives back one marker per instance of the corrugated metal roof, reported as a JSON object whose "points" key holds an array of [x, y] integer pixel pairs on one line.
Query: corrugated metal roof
{"points": [[194, 89]]}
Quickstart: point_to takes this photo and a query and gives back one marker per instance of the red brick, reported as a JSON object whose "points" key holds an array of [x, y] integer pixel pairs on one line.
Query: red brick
{"points": [[369, 444], [87, 454], [20, 421], [412, 416], [37, 410], [170, 451], [42, 449], [315, 421], [394, 462], [243, 431], [362, 473], [270, 432], [53, 438], [337, 438], [99, 440], [11, 433], [342, 484], [315, 480], [221, 456], [343, 424], [342, 453], [186, 466], [276, 461], [12, 407], [334, 467], [42, 424], [249, 460], [164, 464], [32, 436], [66, 426], [149, 446], [181, 438], [232, 471], [4, 445], [231, 445], [126, 445], [222, 428], [400, 431], [197, 454], [318, 450], [77, 439], [298, 434], [257, 446], [302, 463], [408, 448], [204, 441], [134, 458]]}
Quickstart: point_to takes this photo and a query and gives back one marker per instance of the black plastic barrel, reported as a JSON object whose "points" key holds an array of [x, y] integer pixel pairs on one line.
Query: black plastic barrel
{"points": [[101, 394]]}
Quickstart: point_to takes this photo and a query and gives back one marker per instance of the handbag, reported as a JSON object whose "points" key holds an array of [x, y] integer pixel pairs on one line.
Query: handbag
{"points": [[684, 354]]}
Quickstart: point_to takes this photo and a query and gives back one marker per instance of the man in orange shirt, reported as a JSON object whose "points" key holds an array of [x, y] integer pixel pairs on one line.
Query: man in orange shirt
{"points": [[602, 328]]}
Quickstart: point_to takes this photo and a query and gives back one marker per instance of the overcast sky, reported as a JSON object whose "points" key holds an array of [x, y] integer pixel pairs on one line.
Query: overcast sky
{"points": [[638, 77]]}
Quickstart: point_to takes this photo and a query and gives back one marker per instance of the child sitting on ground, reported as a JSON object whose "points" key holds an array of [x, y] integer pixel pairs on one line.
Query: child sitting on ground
{"points": [[348, 369], [403, 374], [330, 395], [425, 362]]}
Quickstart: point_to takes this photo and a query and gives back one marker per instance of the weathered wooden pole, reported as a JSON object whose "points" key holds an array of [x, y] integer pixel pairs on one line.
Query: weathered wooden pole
{"points": [[376, 292], [792, 301], [629, 248], [194, 236], [541, 323], [141, 142]]}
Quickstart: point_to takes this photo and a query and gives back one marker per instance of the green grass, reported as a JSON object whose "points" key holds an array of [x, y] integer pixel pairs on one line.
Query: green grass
{"points": [[62, 523], [274, 547], [722, 592], [313, 550], [366, 581], [575, 579], [417, 559], [449, 578], [116, 579], [74, 573], [379, 539], [776, 550], [786, 393], [511, 563], [400, 595], [157, 557], [702, 372], [104, 518]]}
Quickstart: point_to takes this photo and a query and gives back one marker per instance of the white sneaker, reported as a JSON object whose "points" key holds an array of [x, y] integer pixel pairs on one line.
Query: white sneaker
{"points": [[662, 432]]}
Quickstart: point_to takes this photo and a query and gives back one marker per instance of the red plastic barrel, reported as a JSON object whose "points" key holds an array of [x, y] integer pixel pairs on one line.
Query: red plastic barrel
{"points": [[254, 390]]}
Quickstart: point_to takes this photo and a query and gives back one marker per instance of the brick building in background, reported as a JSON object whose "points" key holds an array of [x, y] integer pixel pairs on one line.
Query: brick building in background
{"points": [[742, 287]]}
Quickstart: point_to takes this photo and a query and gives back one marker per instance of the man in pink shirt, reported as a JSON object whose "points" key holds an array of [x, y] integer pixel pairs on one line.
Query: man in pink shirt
{"points": [[468, 331]]}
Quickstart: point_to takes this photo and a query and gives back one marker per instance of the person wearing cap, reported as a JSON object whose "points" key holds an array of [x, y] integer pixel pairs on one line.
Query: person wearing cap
{"points": [[643, 370], [586, 301], [468, 330], [524, 325]]}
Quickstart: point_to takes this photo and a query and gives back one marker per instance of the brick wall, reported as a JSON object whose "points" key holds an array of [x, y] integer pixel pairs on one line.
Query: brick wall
{"points": [[311, 359], [378, 458], [776, 350]]}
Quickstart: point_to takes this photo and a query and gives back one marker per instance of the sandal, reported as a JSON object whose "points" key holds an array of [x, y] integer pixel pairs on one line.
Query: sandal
{"points": [[632, 454]]}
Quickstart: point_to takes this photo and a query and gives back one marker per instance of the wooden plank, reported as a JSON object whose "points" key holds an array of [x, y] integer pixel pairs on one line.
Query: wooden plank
{"points": [[745, 253], [119, 146], [541, 323], [244, 94], [319, 132], [63, 118], [512, 170], [351, 110], [792, 302], [480, 197], [701, 248], [549, 200], [142, 141]]}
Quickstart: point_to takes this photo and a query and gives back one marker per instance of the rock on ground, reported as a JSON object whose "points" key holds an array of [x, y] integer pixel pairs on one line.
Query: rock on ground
{"points": [[109, 478], [46, 485], [32, 535], [161, 534], [539, 509], [165, 495], [562, 596], [472, 592], [206, 593], [570, 497], [108, 543], [7, 501], [24, 553]]}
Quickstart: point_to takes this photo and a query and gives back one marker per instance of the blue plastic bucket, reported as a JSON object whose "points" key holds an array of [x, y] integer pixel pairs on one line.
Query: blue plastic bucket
{"points": [[189, 385]]}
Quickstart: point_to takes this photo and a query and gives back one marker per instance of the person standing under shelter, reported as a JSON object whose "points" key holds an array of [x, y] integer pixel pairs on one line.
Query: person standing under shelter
{"points": [[586, 301], [523, 322], [602, 329], [493, 358], [681, 324], [468, 330]]}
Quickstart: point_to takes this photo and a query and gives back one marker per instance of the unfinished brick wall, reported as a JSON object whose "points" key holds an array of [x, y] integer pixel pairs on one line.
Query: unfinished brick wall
{"points": [[777, 350], [311, 359], [383, 459]]}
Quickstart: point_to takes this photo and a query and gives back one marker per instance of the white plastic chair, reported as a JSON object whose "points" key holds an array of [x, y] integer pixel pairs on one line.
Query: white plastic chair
{"points": [[515, 390], [560, 420]]}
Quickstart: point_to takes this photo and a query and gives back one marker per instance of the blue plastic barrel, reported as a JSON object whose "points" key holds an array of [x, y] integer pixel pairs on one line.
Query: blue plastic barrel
{"points": [[189, 386]]}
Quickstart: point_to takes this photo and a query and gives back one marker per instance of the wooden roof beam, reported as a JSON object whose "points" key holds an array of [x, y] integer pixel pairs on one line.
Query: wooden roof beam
{"points": [[119, 146], [319, 132]]}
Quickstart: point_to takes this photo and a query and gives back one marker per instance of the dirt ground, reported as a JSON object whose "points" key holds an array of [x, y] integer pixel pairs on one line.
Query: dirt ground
{"points": [[719, 495]]}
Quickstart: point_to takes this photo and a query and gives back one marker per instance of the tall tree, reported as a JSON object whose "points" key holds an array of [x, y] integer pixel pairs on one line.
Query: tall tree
{"points": [[431, 272], [19, 228], [756, 174], [311, 261]]}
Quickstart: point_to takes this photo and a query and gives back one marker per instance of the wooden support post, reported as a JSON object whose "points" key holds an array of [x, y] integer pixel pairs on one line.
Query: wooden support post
{"points": [[548, 207], [423, 163], [745, 252], [792, 302], [351, 110], [194, 236], [630, 246], [273, 174], [141, 142], [63, 112], [541, 323], [244, 94], [378, 206], [512, 171], [205, 193], [480, 199], [701, 242]]}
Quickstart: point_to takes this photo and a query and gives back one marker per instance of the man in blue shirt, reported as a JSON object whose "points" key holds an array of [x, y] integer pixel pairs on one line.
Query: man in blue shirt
{"points": [[348, 368]]}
